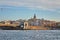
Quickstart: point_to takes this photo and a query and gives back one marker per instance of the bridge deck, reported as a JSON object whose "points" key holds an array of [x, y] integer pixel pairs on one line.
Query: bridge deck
{"points": [[13, 25]]}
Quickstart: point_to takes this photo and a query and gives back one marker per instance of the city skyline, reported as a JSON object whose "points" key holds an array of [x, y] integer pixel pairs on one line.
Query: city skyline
{"points": [[25, 9]]}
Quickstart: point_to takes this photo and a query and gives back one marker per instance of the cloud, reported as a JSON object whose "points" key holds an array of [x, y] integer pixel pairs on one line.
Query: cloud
{"points": [[40, 4]]}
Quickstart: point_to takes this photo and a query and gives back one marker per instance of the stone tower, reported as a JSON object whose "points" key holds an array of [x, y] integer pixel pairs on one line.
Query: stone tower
{"points": [[34, 16]]}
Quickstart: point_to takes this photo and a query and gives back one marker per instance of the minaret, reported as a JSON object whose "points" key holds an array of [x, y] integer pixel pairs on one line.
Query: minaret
{"points": [[34, 16]]}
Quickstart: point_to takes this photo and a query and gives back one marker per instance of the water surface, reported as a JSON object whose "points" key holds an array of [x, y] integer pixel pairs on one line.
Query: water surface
{"points": [[29, 34]]}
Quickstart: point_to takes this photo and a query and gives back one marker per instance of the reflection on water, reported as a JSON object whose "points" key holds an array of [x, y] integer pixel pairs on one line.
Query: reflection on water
{"points": [[29, 35]]}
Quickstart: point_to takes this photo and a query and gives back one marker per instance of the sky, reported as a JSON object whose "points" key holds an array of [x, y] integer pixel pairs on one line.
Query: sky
{"points": [[25, 9]]}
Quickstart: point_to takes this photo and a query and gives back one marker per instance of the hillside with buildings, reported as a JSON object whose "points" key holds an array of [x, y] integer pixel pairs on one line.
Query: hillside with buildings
{"points": [[30, 24]]}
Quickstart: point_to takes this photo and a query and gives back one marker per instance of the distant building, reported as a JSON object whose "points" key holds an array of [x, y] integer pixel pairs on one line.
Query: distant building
{"points": [[8, 22], [58, 24], [2, 22], [34, 21]]}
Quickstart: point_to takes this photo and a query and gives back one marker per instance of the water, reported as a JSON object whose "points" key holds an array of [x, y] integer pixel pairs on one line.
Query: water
{"points": [[30, 35]]}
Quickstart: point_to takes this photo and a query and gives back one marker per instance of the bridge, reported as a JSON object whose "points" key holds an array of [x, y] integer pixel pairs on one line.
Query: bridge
{"points": [[13, 25]]}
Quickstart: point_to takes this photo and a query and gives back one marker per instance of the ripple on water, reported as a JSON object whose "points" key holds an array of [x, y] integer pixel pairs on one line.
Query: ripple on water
{"points": [[29, 35]]}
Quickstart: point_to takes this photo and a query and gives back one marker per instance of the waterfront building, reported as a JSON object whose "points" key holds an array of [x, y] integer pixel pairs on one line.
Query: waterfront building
{"points": [[58, 24], [26, 25], [8, 22], [2, 22]]}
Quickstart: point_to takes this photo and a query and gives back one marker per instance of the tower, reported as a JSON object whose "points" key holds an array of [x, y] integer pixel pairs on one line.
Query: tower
{"points": [[34, 16], [25, 25]]}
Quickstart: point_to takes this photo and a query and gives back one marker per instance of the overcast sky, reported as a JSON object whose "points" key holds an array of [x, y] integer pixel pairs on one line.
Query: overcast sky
{"points": [[25, 9]]}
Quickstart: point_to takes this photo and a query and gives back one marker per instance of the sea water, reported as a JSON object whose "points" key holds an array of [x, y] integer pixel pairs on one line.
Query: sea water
{"points": [[29, 34]]}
